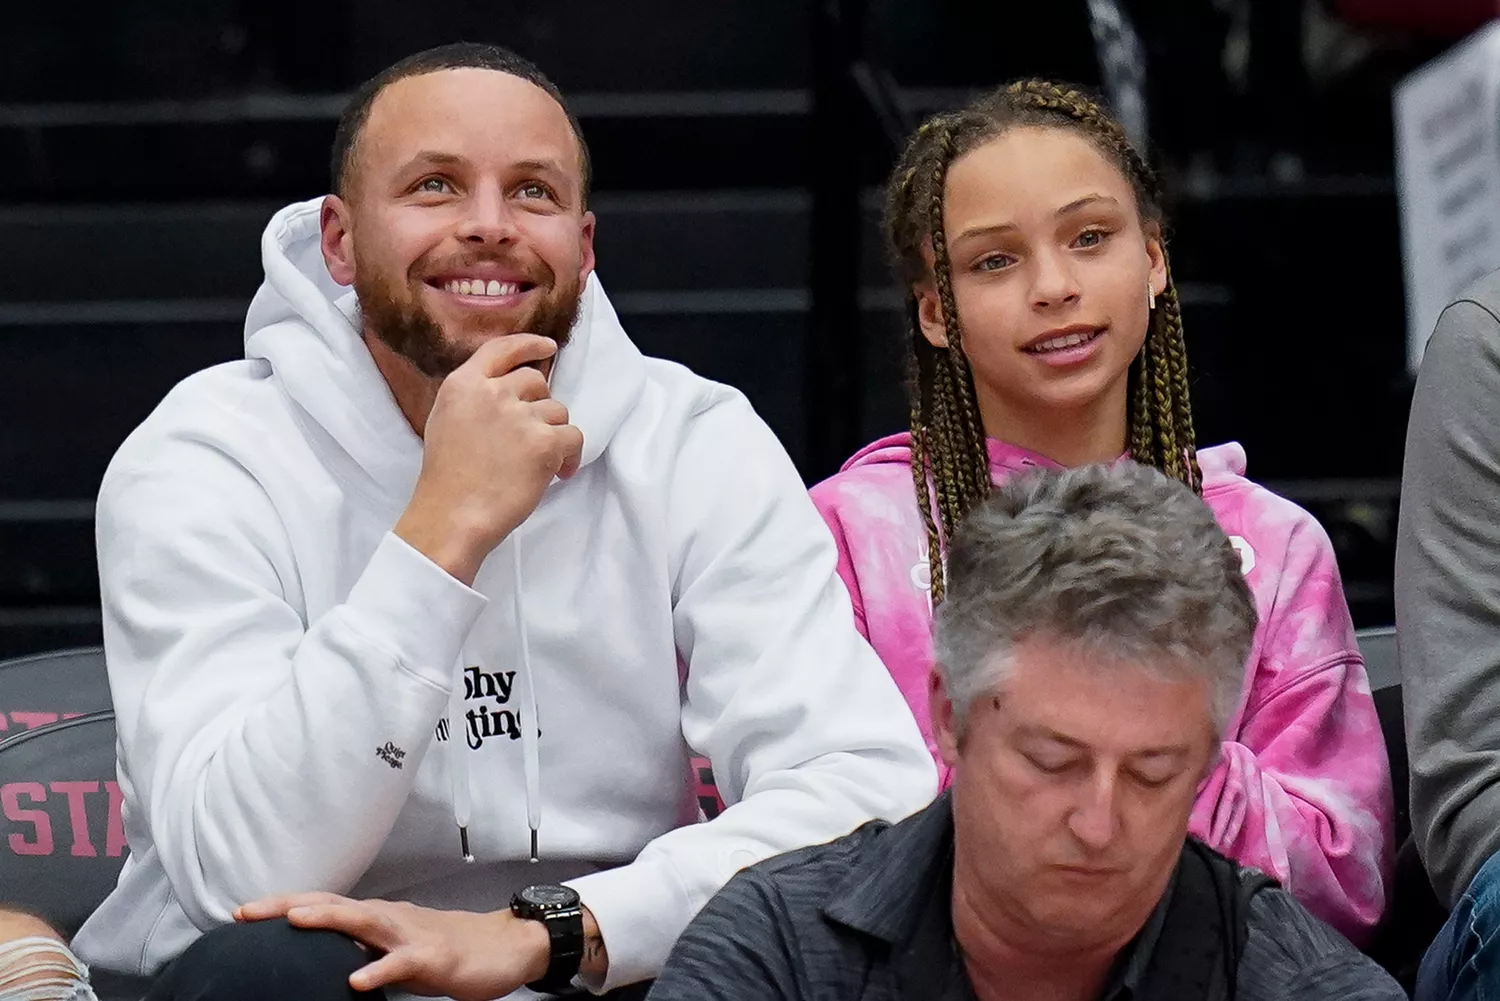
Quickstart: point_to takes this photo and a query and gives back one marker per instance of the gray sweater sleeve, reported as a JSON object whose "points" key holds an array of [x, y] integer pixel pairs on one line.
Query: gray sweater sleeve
{"points": [[1448, 592]]}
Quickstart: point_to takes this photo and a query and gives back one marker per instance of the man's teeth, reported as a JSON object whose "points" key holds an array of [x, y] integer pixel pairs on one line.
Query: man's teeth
{"points": [[480, 287], [1065, 341]]}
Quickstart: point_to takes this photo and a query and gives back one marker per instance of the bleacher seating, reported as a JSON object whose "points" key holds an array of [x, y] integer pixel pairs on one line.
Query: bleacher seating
{"points": [[131, 200]]}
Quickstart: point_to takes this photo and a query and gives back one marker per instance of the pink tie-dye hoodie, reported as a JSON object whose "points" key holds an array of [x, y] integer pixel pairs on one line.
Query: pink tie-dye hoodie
{"points": [[1302, 788]]}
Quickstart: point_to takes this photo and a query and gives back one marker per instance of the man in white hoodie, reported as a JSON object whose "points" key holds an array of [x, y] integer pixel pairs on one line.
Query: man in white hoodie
{"points": [[431, 597]]}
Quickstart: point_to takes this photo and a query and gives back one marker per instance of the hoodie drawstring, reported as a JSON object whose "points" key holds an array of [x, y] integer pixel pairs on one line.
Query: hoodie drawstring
{"points": [[531, 726], [530, 733], [458, 770]]}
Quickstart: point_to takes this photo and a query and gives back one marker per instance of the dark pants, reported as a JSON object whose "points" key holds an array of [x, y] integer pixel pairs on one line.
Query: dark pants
{"points": [[265, 961], [272, 961]]}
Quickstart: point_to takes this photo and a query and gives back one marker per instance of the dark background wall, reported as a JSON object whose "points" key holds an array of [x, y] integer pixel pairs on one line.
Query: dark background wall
{"points": [[143, 146]]}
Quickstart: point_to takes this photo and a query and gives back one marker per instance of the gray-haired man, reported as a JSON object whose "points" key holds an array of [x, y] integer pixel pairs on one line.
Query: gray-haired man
{"points": [[1090, 648]]}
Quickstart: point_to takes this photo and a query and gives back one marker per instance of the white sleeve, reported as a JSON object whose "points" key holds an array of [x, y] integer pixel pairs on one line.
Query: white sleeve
{"points": [[807, 733], [247, 737]]}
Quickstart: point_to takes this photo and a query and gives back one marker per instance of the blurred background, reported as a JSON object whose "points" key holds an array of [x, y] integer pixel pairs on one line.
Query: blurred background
{"points": [[739, 147]]}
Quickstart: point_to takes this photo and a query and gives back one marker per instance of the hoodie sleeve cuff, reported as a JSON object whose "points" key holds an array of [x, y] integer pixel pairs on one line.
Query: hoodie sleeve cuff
{"points": [[414, 609], [641, 910]]}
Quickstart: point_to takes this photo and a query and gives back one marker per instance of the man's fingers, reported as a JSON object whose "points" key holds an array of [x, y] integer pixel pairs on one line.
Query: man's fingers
{"points": [[392, 968], [527, 384], [508, 352], [551, 411], [357, 920], [572, 450], [276, 907]]}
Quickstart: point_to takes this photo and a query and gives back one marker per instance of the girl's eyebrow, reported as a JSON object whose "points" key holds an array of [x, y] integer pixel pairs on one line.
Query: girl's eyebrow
{"points": [[1002, 227]]}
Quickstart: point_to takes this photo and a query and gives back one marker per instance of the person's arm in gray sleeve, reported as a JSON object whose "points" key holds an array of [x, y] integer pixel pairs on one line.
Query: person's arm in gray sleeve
{"points": [[1448, 593]]}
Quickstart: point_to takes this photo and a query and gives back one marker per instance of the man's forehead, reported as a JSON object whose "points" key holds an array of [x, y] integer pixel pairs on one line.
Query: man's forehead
{"points": [[466, 107], [1079, 693]]}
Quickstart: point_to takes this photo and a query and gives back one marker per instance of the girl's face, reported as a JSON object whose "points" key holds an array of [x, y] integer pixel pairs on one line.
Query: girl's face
{"points": [[1050, 263]]}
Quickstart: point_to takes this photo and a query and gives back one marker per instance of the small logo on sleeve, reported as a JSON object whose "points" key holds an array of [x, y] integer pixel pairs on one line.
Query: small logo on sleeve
{"points": [[390, 754]]}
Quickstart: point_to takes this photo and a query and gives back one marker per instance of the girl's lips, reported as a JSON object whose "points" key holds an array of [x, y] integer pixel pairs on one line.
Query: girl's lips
{"points": [[1070, 354]]}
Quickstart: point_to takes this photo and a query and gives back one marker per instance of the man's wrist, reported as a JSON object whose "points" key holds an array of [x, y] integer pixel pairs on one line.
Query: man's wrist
{"points": [[537, 948], [595, 966], [445, 538], [534, 944]]}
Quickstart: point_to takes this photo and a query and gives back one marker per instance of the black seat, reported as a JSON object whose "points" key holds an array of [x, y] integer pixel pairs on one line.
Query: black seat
{"points": [[1378, 648], [47, 687], [1393, 728], [1413, 913], [63, 837], [64, 840], [57, 785]]}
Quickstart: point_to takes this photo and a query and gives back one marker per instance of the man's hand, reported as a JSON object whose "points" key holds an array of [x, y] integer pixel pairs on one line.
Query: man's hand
{"points": [[465, 956], [492, 444]]}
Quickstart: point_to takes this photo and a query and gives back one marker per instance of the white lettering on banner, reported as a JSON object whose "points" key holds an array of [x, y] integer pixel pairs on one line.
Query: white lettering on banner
{"points": [[1448, 179]]}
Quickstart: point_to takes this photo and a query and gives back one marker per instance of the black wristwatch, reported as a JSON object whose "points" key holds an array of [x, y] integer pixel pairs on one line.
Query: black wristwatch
{"points": [[561, 911]]}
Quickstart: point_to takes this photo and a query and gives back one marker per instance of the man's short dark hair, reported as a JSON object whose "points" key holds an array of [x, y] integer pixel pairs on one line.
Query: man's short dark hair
{"points": [[457, 55]]}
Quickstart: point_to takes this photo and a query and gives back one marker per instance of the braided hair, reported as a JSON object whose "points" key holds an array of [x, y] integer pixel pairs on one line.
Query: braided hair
{"points": [[949, 457]]}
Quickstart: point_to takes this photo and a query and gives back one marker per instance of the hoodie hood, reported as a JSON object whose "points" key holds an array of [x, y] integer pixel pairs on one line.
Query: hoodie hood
{"points": [[1221, 464], [307, 328]]}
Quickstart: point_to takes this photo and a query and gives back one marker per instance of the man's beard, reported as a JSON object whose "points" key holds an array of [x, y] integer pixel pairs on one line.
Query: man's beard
{"points": [[410, 331]]}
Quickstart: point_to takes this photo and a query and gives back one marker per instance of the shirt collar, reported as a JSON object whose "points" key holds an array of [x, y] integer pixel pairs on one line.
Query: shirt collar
{"points": [[901, 893], [886, 893]]}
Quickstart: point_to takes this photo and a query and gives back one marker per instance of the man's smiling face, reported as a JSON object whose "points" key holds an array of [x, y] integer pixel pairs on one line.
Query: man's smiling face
{"points": [[463, 216]]}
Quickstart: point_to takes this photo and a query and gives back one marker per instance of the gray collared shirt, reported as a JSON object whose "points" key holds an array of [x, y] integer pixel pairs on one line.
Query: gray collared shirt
{"points": [[867, 918]]}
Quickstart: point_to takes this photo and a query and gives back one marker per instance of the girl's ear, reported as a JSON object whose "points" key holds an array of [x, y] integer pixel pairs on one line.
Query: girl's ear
{"points": [[930, 314], [1156, 253], [929, 306]]}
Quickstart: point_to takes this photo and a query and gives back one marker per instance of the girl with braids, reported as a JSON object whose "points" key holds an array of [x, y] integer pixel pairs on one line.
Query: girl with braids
{"points": [[1045, 331]]}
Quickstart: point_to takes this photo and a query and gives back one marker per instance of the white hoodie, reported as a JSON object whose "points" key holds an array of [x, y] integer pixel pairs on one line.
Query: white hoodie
{"points": [[307, 703]]}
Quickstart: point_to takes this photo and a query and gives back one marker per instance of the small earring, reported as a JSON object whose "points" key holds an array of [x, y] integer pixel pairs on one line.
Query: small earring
{"points": [[1150, 295]]}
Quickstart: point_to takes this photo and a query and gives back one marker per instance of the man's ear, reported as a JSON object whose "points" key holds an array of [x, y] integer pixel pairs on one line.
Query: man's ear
{"points": [[944, 719], [1215, 754], [337, 241], [586, 246]]}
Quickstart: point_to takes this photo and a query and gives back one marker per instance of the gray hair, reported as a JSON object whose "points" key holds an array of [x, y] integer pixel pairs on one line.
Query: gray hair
{"points": [[1118, 560]]}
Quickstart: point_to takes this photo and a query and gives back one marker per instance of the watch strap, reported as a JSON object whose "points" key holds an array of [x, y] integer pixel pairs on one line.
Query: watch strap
{"points": [[565, 935]]}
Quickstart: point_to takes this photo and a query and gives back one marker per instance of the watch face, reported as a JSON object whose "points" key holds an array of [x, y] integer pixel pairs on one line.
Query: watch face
{"points": [[550, 897]]}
